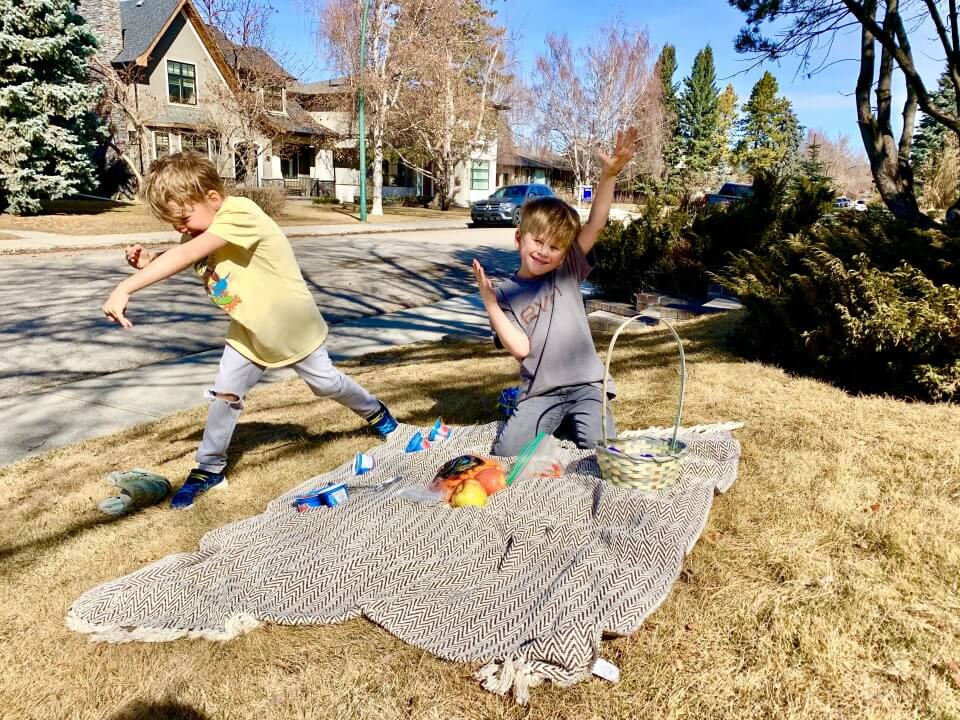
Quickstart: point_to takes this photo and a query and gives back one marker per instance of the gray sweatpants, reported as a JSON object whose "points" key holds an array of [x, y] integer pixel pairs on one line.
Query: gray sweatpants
{"points": [[237, 375], [574, 410]]}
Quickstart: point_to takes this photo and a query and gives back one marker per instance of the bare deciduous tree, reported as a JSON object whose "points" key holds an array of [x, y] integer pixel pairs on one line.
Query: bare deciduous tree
{"points": [[246, 114], [449, 109], [394, 33], [848, 168], [127, 109], [584, 98]]}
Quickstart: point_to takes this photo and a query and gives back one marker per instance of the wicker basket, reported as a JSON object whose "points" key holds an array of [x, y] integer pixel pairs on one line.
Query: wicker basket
{"points": [[635, 460]]}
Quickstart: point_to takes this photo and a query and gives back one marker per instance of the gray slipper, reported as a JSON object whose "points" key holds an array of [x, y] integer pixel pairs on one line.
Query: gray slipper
{"points": [[138, 488]]}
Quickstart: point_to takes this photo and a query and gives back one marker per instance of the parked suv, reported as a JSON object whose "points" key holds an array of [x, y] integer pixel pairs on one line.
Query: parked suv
{"points": [[729, 193], [504, 205]]}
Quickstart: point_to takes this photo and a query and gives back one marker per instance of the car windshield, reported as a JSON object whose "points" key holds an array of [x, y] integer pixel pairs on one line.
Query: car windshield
{"points": [[510, 192]]}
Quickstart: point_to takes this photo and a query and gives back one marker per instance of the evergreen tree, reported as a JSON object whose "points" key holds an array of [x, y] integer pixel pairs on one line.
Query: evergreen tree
{"points": [[667, 67], [770, 133], [47, 127], [932, 141], [698, 113], [726, 122], [811, 166]]}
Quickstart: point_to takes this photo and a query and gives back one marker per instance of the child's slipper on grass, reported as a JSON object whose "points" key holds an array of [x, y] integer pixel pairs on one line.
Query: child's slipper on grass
{"points": [[138, 488]]}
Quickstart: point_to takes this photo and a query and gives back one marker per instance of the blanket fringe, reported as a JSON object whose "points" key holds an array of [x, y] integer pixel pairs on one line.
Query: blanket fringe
{"points": [[235, 626], [511, 673]]}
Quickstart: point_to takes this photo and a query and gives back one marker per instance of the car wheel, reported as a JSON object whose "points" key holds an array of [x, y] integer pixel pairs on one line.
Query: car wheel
{"points": [[516, 219]]}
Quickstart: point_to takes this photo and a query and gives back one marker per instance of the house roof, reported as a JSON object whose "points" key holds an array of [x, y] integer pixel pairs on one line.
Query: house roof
{"points": [[522, 159], [322, 87], [248, 58], [141, 21]]}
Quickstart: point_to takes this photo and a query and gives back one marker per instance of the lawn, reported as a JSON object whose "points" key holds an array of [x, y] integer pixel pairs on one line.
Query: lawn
{"points": [[825, 584], [97, 217]]}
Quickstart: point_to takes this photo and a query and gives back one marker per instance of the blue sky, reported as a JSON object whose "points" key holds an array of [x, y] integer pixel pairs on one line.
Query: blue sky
{"points": [[823, 101]]}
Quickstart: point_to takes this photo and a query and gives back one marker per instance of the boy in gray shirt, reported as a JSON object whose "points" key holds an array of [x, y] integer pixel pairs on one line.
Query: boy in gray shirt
{"points": [[538, 315]]}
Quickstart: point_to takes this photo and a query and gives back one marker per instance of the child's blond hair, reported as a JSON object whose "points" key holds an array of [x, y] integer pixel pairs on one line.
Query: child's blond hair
{"points": [[184, 177], [550, 218]]}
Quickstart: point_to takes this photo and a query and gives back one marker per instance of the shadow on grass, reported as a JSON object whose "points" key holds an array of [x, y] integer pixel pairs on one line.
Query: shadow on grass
{"points": [[165, 710], [93, 519]]}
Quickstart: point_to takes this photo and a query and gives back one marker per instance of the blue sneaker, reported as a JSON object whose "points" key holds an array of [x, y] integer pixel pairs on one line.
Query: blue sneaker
{"points": [[382, 421], [197, 483]]}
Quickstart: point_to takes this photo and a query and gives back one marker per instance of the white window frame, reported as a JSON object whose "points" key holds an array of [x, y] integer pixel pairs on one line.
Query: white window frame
{"points": [[476, 161], [166, 82], [283, 102], [153, 138]]}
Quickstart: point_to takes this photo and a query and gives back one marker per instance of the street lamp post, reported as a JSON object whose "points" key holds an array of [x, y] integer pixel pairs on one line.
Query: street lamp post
{"points": [[362, 121]]}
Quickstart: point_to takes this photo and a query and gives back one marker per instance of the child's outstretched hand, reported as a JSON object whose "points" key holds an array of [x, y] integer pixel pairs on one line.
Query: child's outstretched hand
{"points": [[623, 150], [487, 293], [138, 256], [116, 305]]}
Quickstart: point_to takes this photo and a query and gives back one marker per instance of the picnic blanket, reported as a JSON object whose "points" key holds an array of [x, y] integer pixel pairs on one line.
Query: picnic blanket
{"points": [[527, 584]]}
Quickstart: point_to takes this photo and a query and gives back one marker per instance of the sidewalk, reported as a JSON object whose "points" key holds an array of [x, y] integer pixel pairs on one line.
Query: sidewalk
{"points": [[35, 422], [34, 241]]}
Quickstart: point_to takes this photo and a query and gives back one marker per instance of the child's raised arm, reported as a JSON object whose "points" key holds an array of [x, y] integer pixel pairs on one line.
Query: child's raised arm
{"points": [[610, 167], [163, 266]]}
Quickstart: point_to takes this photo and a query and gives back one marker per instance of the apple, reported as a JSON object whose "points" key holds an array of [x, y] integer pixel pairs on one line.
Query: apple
{"points": [[492, 479], [470, 494]]}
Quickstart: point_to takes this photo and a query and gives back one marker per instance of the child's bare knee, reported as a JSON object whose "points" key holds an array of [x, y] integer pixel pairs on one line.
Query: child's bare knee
{"points": [[231, 399]]}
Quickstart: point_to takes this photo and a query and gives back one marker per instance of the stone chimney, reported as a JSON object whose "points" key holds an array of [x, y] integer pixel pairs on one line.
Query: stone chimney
{"points": [[103, 17]]}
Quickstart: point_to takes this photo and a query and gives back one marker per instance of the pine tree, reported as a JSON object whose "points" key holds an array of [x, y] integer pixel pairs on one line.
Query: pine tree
{"points": [[770, 131], [698, 113], [667, 67], [47, 127], [726, 121], [811, 166]]}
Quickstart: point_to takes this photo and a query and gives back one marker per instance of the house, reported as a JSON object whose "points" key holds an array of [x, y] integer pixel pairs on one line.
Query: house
{"points": [[184, 80], [326, 100], [190, 88], [518, 167]]}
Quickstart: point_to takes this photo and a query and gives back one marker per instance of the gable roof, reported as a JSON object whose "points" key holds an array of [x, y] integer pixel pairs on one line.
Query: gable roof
{"points": [[248, 58], [141, 21]]}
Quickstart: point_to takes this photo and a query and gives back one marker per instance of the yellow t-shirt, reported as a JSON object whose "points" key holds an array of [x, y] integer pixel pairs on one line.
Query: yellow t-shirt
{"points": [[256, 280]]}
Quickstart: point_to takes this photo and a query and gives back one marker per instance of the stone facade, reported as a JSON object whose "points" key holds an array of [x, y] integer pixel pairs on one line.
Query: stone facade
{"points": [[103, 17]]}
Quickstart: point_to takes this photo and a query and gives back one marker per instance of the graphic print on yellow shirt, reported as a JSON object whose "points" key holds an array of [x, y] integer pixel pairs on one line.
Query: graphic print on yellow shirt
{"points": [[218, 291], [255, 279]]}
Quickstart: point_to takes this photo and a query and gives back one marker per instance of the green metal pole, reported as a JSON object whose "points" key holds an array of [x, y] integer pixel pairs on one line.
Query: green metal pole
{"points": [[362, 123]]}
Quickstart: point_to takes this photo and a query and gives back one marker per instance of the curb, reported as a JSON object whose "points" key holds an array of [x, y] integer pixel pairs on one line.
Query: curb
{"points": [[292, 232]]}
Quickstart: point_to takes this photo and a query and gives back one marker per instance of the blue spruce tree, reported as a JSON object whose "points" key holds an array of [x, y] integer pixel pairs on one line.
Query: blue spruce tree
{"points": [[47, 125]]}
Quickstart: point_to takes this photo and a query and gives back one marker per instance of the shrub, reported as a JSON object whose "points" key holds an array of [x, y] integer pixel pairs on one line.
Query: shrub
{"points": [[270, 199], [651, 252], [860, 301], [326, 200]]}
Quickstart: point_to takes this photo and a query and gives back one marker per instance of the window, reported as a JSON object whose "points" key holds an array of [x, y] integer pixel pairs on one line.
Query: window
{"points": [[346, 158], [182, 82], [133, 138], [480, 175], [273, 98], [195, 142], [161, 142]]}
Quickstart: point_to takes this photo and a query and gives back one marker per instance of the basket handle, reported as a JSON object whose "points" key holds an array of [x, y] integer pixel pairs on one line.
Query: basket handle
{"points": [[606, 378]]}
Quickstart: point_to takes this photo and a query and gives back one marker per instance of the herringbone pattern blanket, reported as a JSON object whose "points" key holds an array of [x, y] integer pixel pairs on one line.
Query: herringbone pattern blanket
{"points": [[542, 571]]}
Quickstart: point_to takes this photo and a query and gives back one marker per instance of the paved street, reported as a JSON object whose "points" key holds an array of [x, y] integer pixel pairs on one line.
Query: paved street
{"points": [[53, 331]]}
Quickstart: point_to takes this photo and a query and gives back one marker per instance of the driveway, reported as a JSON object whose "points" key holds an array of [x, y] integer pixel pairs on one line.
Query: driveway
{"points": [[53, 331]]}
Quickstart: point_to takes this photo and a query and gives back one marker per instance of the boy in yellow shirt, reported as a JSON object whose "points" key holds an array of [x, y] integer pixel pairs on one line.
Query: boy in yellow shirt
{"points": [[249, 271]]}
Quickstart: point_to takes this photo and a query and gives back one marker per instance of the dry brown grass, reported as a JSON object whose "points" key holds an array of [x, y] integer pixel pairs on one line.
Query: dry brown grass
{"points": [[95, 217], [825, 586]]}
